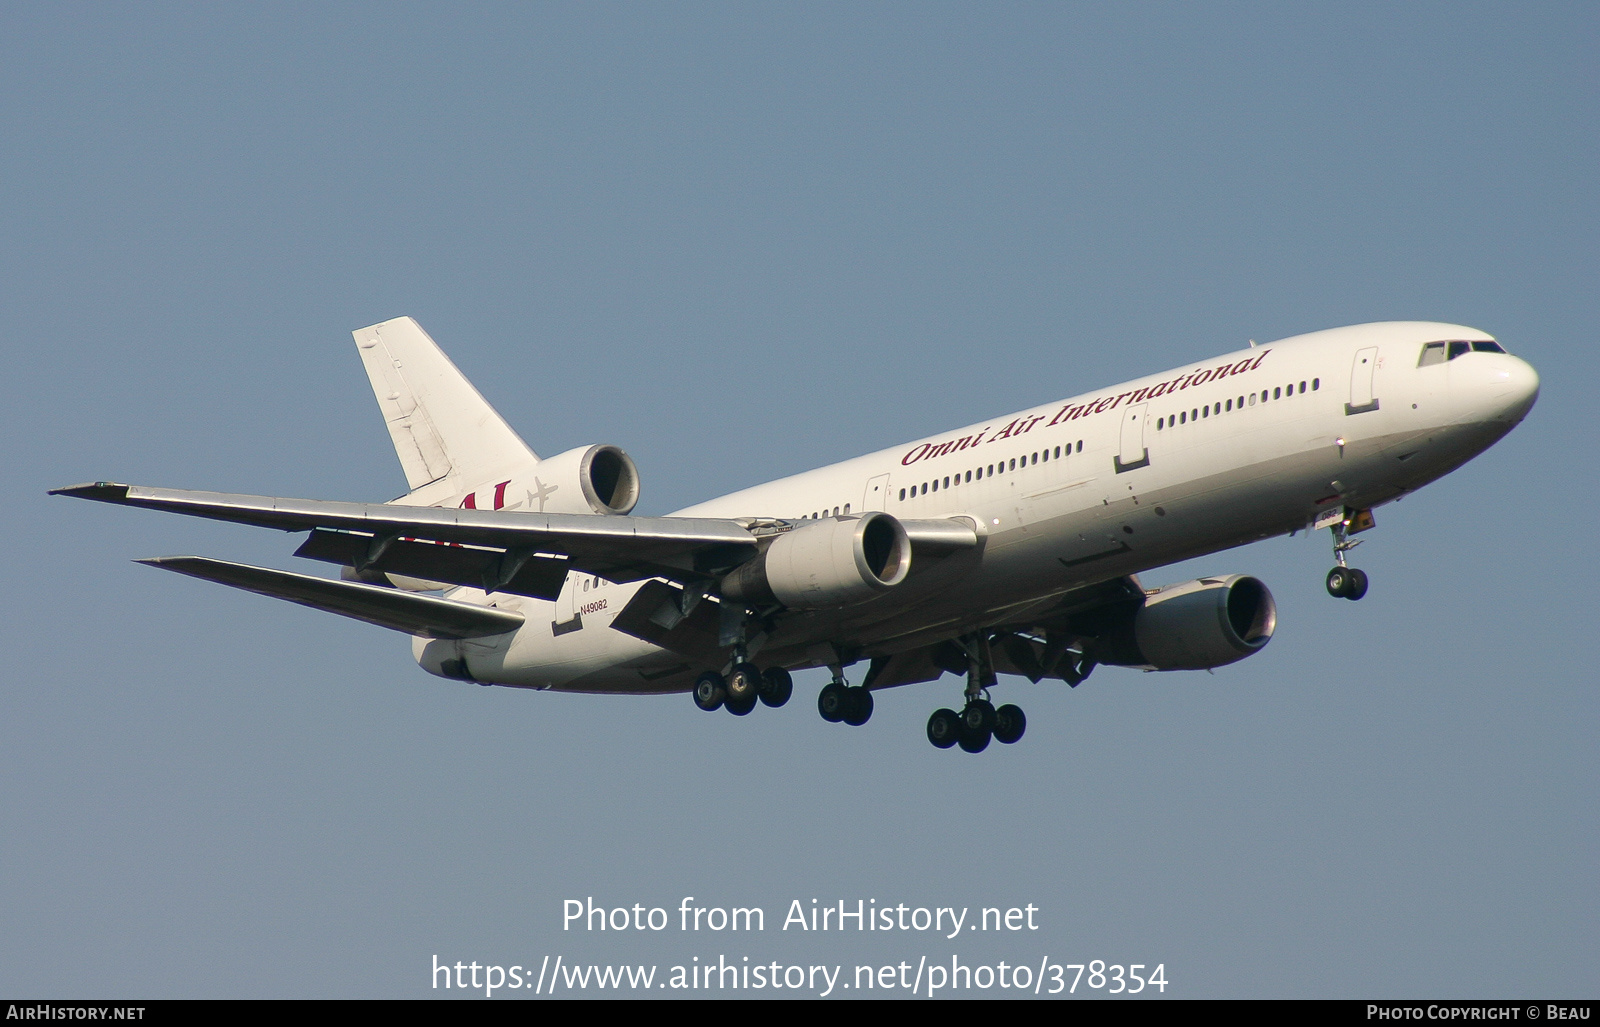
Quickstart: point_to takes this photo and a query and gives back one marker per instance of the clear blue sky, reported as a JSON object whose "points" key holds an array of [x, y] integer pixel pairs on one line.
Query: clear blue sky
{"points": [[740, 241]]}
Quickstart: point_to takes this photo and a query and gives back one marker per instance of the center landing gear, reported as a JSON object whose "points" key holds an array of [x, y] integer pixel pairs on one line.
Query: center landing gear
{"points": [[1344, 581], [839, 702], [978, 721]]}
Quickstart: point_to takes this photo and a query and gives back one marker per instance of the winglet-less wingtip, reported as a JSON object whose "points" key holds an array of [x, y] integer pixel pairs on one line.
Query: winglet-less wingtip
{"points": [[104, 491]]}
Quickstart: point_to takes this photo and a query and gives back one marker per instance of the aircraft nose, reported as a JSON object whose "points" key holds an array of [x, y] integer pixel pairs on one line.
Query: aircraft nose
{"points": [[1515, 385]]}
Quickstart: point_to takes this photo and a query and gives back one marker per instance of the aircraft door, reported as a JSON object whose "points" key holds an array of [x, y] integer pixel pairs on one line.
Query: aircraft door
{"points": [[1133, 452], [1361, 372], [877, 494]]}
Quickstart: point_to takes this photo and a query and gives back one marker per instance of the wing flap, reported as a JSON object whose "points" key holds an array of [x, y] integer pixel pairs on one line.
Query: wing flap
{"points": [[655, 614], [527, 574], [428, 616]]}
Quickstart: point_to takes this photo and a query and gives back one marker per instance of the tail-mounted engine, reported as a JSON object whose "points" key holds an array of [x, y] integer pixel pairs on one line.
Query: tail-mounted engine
{"points": [[833, 562], [590, 479], [1196, 625]]}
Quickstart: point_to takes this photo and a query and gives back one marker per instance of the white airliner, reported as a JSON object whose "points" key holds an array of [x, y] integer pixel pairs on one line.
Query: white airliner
{"points": [[1007, 546]]}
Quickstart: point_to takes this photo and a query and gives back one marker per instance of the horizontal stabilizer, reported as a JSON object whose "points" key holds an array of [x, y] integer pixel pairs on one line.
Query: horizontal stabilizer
{"points": [[428, 616]]}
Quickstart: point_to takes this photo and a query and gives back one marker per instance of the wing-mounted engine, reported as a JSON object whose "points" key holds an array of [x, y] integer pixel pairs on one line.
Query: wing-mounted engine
{"points": [[838, 561], [586, 480], [1196, 625]]}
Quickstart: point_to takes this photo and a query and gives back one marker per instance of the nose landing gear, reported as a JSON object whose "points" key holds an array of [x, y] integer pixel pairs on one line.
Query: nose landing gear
{"points": [[1347, 583], [1344, 581]]}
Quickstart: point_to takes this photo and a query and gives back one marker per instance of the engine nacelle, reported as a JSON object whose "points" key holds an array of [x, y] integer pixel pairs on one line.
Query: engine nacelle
{"points": [[1197, 625], [838, 561], [588, 480]]}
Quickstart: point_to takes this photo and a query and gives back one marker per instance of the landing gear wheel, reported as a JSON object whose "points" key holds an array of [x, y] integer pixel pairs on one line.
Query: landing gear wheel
{"points": [[979, 715], [833, 701], [739, 707], [943, 728], [744, 681], [1009, 724], [1358, 584], [776, 687], [977, 725], [1338, 582], [973, 741], [859, 709], [710, 691]]}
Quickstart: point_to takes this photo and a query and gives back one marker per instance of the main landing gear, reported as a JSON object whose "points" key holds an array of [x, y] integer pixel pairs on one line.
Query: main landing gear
{"points": [[1344, 581], [745, 684], [978, 721], [743, 687]]}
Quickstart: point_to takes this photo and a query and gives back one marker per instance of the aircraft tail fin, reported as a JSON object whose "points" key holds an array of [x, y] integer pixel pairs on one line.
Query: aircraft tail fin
{"points": [[441, 426]]}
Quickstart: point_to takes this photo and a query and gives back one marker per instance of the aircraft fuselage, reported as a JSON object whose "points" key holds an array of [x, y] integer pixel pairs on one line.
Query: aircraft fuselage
{"points": [[1118, 481]]}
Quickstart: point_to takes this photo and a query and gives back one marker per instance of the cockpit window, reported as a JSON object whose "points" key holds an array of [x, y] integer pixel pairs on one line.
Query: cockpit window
{"points": [[1439, 352]]}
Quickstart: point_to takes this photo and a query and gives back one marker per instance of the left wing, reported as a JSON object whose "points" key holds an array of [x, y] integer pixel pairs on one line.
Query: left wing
{"points": [[494, 549]]}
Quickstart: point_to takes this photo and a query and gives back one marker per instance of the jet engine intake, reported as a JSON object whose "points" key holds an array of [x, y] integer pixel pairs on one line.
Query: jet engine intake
{"points": [[837, 561], [1198, 625], [589, 479]]}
